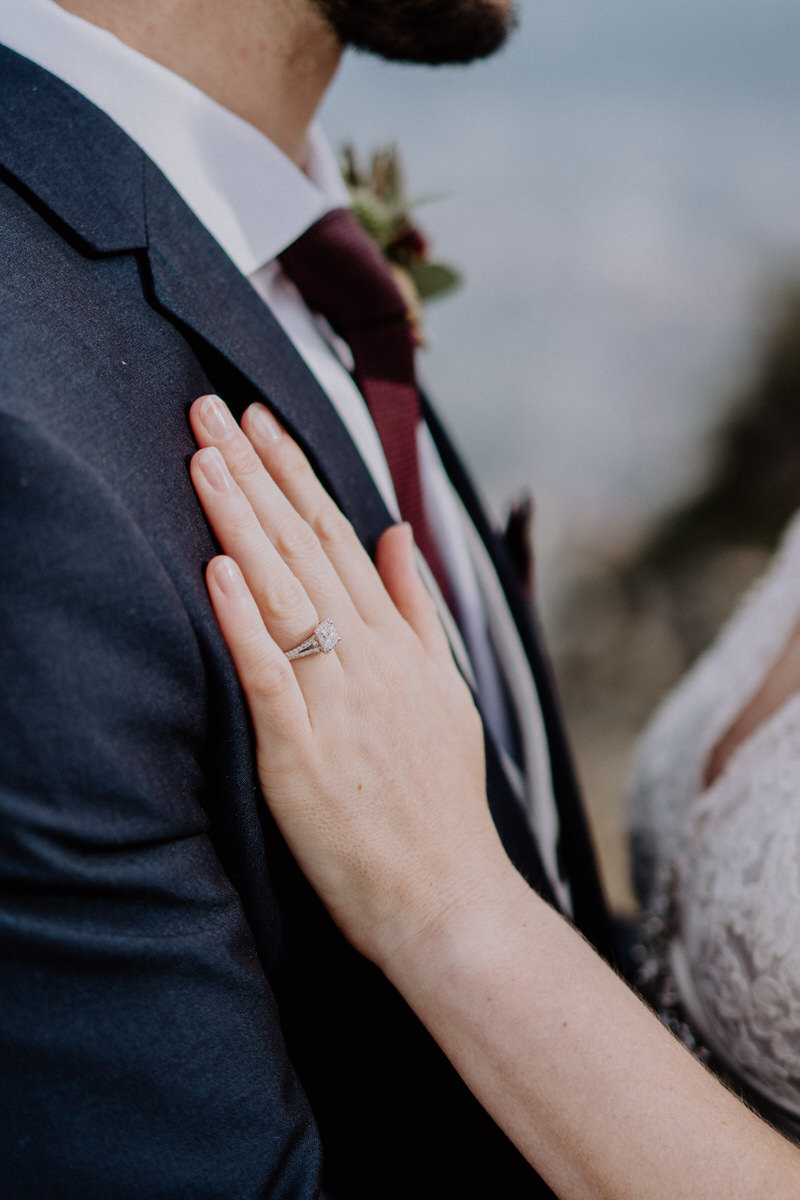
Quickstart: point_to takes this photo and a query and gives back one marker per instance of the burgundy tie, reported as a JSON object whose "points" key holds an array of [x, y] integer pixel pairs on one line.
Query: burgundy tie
{"points": [[341, 274]]}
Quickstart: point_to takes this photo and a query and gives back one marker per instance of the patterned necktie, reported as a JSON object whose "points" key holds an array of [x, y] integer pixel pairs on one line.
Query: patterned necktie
{"points": [[341, 274]]}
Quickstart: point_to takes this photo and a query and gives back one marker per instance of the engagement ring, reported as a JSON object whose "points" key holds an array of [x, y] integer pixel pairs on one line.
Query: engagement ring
{"points": [[322, 641]]}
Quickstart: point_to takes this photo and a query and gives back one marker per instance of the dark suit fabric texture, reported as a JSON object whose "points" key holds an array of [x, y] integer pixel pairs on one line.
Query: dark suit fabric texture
{"points": [[178, 1015]]}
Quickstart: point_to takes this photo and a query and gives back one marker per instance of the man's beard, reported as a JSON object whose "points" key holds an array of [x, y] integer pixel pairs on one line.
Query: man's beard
{"points": [[422, 31]]}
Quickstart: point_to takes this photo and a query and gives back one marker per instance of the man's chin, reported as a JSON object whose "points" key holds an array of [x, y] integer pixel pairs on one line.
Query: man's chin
{"points": [[431, 32]]}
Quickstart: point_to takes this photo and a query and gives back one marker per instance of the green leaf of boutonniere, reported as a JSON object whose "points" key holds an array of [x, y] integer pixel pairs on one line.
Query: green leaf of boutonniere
{"points": [[374, 215], [383, 208], [433, 279]]}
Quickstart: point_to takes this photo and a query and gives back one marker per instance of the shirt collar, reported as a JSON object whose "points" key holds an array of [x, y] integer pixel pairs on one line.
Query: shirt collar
{"points": [[247, 193]]}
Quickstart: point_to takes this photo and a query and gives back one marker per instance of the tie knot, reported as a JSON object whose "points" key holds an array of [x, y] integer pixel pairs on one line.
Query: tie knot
{"points": [[341, 273]]}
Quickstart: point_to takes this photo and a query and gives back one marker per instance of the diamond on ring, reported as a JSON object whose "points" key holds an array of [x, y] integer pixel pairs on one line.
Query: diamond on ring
{"points": [[322, 641]]}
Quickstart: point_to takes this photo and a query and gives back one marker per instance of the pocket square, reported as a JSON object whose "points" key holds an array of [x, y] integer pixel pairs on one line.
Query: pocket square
{"points": [[518, 541]]}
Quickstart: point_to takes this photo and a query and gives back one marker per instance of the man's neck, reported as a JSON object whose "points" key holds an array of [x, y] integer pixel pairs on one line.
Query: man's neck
{"points": [[269, 61]]}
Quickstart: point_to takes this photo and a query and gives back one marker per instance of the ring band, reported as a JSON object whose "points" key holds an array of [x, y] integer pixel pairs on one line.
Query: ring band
{"points": [[322, 641]]}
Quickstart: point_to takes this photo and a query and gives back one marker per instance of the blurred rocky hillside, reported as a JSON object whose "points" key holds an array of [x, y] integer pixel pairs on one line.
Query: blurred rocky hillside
{"points": [[632, 621]]}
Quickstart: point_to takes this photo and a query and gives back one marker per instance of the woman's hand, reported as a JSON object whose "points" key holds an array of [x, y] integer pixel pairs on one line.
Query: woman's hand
{"points": [[370, 756]]}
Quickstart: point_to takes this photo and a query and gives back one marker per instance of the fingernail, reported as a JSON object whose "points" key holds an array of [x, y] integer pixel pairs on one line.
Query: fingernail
{"points": [[215, 417], [263, 424], [212, 464], [227, 576]]}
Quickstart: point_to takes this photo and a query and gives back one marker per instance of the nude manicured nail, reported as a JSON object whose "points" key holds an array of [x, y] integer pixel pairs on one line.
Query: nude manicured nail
{"points": [[215, 417], [227, 576], [263, 424], [212, 464]]}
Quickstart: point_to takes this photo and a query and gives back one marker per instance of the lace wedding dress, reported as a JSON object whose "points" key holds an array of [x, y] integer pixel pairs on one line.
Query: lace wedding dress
{"points": [[718, 868]]}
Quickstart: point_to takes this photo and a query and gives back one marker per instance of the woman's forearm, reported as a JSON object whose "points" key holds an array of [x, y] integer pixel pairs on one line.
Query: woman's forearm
{"points": [[583, 1078]]}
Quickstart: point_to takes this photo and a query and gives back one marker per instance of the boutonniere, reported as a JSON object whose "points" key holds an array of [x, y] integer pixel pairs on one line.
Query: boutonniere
{"points": [[383, 207]]}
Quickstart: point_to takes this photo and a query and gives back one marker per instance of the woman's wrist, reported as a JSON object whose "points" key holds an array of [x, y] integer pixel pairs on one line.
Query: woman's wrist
{"points": [[457, 935]]}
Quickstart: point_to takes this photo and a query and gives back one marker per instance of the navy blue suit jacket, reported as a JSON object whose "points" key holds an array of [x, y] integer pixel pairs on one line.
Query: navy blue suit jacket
{"points": [[178, 1015]]}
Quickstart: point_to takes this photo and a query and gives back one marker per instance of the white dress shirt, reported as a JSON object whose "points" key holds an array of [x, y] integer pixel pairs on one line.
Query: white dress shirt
{"points": [[255, 202]]}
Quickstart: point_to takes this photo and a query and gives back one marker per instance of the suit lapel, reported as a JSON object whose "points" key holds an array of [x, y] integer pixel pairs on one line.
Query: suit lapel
{"points": [[70, 157], [196, 283]]}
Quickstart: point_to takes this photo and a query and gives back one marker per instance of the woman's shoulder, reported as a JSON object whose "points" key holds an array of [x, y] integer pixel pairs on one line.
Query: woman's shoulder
{"points": [[669, 760]]}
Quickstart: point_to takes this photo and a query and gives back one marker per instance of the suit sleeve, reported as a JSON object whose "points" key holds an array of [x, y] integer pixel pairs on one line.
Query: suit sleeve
{"points": [[141, 1051]]}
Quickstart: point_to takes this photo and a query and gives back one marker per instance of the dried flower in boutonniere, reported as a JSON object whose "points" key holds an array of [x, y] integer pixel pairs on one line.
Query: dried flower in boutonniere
{"points": [[383, 208]]}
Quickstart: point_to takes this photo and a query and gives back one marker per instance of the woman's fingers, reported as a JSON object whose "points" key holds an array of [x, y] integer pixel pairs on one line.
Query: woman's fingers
{"points": [[397, 567], [267, 677], [292, 472], [295, 543], [305, 526], [288, 612], [300, 557]]}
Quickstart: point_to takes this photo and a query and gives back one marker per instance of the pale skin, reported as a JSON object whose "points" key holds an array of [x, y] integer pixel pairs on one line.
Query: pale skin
{"points": [[781, 682], [371, 760], [269, 61]]}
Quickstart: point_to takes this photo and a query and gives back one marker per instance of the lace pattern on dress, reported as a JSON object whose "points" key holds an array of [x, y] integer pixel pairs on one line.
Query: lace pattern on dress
{"points": [[653, 975], [718, 869]]}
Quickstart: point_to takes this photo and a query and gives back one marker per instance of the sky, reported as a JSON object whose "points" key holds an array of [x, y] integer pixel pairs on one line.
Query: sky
{"points": [[621, 187]]}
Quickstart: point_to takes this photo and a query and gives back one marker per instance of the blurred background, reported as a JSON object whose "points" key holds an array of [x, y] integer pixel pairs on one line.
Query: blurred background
{"points": [[621, 188]]}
